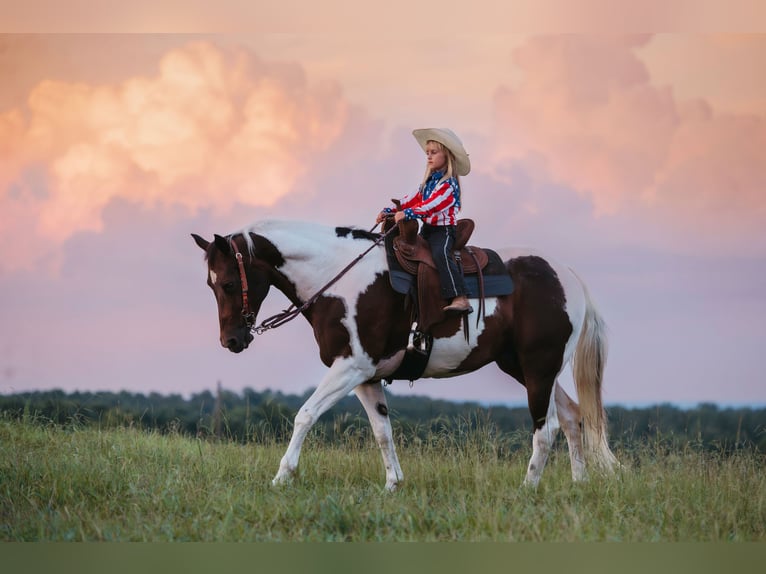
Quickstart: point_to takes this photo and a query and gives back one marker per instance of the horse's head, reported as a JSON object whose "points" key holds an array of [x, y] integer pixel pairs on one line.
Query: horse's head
{"points": [[239, 289]]}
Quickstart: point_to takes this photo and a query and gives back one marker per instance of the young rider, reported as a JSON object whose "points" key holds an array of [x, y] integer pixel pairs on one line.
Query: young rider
{"points": [[436, 203]]}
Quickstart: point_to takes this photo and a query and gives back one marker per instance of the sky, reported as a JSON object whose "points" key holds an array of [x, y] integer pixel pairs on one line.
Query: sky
{"points": [[637, 159]]}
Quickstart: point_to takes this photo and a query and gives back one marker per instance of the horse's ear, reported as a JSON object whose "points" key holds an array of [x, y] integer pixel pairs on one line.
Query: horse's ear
{"points": [[203, 244], [222, 244]]}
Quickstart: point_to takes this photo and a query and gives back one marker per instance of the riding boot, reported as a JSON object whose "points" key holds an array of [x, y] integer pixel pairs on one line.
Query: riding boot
{"points": [[459, 306]]}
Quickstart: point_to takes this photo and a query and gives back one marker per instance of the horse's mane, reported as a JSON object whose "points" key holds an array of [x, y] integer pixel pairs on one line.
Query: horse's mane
{"points": [[356, 233], [264, 228]]}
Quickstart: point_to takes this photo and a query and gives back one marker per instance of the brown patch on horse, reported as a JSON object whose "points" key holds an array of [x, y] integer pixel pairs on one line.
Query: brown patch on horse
{"points": [[381, 319], [539, 303], [541, 329], [265, 249], [331, 335]]}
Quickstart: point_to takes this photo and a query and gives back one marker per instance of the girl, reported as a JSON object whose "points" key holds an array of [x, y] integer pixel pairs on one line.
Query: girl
{"points": [[437, 203]]}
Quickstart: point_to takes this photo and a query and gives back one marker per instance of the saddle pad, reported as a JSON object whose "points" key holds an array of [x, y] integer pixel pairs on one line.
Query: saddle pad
{"points": [[495, 284]]}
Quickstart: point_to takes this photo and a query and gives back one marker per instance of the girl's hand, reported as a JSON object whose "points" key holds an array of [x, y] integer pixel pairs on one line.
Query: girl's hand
{"points": [[381, 217], [399, 216]]}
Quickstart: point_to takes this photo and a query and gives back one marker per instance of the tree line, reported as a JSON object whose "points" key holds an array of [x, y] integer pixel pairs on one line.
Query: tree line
{"points": [[267, 416]]}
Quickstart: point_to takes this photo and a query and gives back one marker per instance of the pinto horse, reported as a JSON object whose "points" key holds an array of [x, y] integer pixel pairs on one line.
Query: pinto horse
{"points": [[362, 325]]}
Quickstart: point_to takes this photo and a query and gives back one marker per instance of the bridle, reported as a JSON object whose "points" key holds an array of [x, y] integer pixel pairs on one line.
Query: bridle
{"points": [[291, 312], [247, 314]]}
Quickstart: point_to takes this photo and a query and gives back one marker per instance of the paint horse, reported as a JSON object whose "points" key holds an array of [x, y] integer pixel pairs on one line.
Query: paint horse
{"points": [[362, 328]]}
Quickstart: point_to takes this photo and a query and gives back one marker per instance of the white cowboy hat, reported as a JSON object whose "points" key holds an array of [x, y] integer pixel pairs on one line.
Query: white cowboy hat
{"points": [[448, 139]]}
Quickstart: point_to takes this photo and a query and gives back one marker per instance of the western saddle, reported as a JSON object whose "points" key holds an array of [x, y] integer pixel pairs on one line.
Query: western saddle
{"points": [[414, 257]]}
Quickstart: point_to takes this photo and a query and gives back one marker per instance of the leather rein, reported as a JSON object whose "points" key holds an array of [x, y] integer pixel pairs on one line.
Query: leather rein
{"points": [[293, 311]]}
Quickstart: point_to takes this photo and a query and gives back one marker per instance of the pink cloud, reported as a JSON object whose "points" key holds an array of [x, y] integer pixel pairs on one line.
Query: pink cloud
{"points": [[211, 128], [587, 109], [716, 164]]}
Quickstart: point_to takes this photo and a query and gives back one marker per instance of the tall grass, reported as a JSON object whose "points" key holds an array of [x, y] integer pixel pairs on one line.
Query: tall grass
{"points": [[76, 483]]}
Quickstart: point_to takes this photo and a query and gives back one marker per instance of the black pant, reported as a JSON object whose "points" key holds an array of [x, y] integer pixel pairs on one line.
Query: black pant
{"points": [[441, 238]]}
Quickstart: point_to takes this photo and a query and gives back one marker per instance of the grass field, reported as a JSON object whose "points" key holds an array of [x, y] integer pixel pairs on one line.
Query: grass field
{"points": [[62, 484]]}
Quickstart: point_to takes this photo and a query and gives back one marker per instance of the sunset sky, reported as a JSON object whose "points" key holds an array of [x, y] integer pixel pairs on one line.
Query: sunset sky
{"points": [[639, 160]]}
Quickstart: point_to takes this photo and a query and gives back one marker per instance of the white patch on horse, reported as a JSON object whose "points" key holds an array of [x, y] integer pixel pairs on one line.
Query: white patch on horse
{"points": [[448, 353], [575, 306], [213, 277]]}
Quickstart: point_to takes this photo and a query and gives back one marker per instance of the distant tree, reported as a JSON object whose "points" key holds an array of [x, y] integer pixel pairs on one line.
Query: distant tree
{"points": [[268, 416]]}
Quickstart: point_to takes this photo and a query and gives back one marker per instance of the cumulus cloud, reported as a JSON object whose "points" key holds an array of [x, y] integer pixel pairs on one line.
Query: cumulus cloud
{"points": [[589, 116], [210, 128]]}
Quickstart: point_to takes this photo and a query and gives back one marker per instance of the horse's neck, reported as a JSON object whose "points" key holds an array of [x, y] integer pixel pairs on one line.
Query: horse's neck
{"points": [[312, 254]]}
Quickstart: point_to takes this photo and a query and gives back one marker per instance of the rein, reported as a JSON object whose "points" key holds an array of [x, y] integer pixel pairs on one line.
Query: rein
{"points": [[292, 312]]}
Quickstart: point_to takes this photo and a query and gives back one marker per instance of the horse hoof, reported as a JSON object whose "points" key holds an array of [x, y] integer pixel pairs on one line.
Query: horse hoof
{"points": [[282, 479], [530, 483], [392, 486]]}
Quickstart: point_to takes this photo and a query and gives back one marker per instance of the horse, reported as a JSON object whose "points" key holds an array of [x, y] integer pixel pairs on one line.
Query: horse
{"points": [[362, 325]]}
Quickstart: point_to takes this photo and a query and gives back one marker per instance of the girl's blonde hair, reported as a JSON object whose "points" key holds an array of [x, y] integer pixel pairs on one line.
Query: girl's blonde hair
{"points": [[449, 172]]}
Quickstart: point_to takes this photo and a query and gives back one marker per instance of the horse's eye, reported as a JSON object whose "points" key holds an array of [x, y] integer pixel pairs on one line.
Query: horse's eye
{"points": [[228, 287]]}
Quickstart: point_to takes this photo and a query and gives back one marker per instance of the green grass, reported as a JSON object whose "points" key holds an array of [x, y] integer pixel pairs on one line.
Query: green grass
{"points": [[81, 483]]}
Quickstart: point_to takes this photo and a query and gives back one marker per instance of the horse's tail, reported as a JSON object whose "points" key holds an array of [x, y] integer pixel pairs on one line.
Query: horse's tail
{"points": [[588, 365]]}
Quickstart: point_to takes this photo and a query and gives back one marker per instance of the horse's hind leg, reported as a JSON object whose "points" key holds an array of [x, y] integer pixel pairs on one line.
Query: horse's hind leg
{"points": [[545, 421], [373, 400], [540, 381], [569, 419]]}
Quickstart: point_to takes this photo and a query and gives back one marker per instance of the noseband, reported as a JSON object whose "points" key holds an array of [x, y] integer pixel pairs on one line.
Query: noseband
{"points": [[247, 314]]}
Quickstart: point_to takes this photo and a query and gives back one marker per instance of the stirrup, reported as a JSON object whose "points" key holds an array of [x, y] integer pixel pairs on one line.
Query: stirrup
{"points": [[417, 341], [411, 340]]}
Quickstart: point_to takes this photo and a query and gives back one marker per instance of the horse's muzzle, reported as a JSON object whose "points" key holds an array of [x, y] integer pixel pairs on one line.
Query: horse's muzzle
{"points": [[237, 344]]}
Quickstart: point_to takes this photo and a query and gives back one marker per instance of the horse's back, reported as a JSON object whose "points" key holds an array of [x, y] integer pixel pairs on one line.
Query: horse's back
{"points": [[536, 266]]}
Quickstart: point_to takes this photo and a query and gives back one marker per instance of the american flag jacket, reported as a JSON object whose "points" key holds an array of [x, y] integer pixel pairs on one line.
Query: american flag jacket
{"points": [[435, 203]]}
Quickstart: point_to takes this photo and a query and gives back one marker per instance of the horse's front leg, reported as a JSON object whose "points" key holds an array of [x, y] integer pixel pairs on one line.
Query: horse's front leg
{"points": [[343, 376], [373, 400]]}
